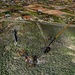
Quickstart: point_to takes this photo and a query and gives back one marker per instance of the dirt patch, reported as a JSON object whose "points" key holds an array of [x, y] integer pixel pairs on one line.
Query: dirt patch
{"points": [[55, 12], [37, 7], [71, 47]]}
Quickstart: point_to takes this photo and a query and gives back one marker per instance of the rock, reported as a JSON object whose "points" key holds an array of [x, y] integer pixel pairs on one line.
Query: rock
{"points": [[16, 58], [42, 61]]}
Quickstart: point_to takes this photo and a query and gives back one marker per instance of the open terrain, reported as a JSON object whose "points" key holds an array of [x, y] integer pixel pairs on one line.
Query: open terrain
{"points": [[59, 61], [37, 22]]}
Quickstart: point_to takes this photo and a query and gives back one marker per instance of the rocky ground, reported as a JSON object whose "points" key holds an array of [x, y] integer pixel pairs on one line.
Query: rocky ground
{"points": [[59, 61]]}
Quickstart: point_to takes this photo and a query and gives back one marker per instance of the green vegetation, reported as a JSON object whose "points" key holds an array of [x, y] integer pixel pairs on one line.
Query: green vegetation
{"points": [[30, 39], [67, 11], [57, 19], [48, 7], [33, 13], [59, 61]]}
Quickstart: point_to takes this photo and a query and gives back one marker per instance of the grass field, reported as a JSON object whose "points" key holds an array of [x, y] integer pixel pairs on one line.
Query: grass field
{"points": [[59, 61]]}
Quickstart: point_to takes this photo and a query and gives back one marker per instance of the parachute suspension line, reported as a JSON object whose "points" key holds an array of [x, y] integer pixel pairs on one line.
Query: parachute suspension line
{"points": [[63, 30], [41, 31], [48, 48], [59, 33]]}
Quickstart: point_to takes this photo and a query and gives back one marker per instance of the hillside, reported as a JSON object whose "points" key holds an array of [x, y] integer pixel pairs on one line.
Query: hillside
{"points": [[26, 29], [59, 61]]}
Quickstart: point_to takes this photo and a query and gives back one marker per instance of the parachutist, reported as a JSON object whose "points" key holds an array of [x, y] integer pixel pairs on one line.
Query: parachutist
{"points": [[34, 60], [15, 35]]}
